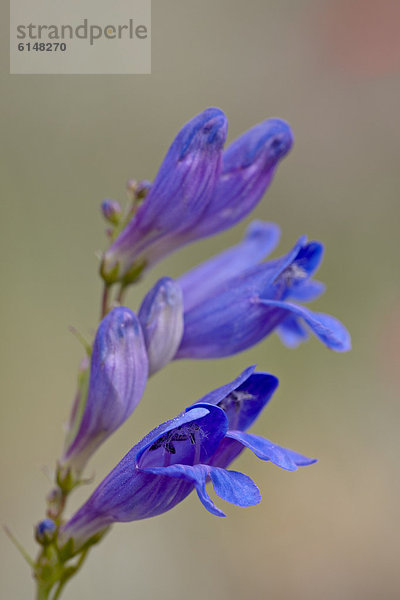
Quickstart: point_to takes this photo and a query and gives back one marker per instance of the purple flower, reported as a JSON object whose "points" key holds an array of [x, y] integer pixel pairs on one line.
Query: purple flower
{"points": [[108, 396], [248, 167], [198, 191], [232, 301], [180, 192], [184, 454]]}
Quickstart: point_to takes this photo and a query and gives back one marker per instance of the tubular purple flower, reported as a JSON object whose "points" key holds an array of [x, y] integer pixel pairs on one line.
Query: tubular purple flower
{"points": [[177, 198], [248, 167], [161, 318], [183, 454], [161, 312], [118, 376], [236, 311]]}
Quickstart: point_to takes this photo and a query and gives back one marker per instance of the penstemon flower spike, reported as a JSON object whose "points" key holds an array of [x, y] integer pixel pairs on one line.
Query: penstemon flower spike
{"points": [[218, 308]]}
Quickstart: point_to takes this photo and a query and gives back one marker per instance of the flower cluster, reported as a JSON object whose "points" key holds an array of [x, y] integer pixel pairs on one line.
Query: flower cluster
{"points": [[221, 307]]}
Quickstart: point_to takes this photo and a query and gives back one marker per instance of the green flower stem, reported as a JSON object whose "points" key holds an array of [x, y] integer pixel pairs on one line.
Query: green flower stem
{"points": [[43, 592], [105, 300], [70, 572], [53, 568], [121, 293]]}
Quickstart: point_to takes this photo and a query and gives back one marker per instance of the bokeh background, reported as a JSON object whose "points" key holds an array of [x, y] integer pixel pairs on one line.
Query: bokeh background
{"points": [[332, 69]]}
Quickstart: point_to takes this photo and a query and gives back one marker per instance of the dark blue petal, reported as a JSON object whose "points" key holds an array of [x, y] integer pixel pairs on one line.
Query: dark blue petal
{"points": [[310, 256], [243, 405], [220, 393], [292, 272], [231, 486], [266, 450], [328, 329], [161, 318], [291, 333], [204, 280], [244, 398], [278, 266], [226, 453], [234, 487], [309, 290], [196, 476], [191, 437]]}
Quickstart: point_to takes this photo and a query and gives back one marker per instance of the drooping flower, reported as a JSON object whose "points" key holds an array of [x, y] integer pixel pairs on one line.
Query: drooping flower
{"points": [[232, 301], [183, 454], [109, 392], [198, 191]]}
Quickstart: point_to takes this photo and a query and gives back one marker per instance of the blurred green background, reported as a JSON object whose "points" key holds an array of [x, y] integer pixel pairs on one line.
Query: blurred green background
{"points": [[332, 69]]}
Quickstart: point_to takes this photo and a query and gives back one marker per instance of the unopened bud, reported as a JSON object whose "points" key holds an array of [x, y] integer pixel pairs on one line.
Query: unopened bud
{"points": [[111, 211], [116, 382], [131, 186], [137, 190], [45, 531], [142, 189], [54, 502], [161, 318]]}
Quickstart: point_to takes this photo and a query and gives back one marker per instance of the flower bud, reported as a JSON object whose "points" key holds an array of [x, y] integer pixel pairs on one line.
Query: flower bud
{"points": [[161, 318], [118, 376], [45, 531], [248, 167], [177, 198], [141, 189], [111, 210]]}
